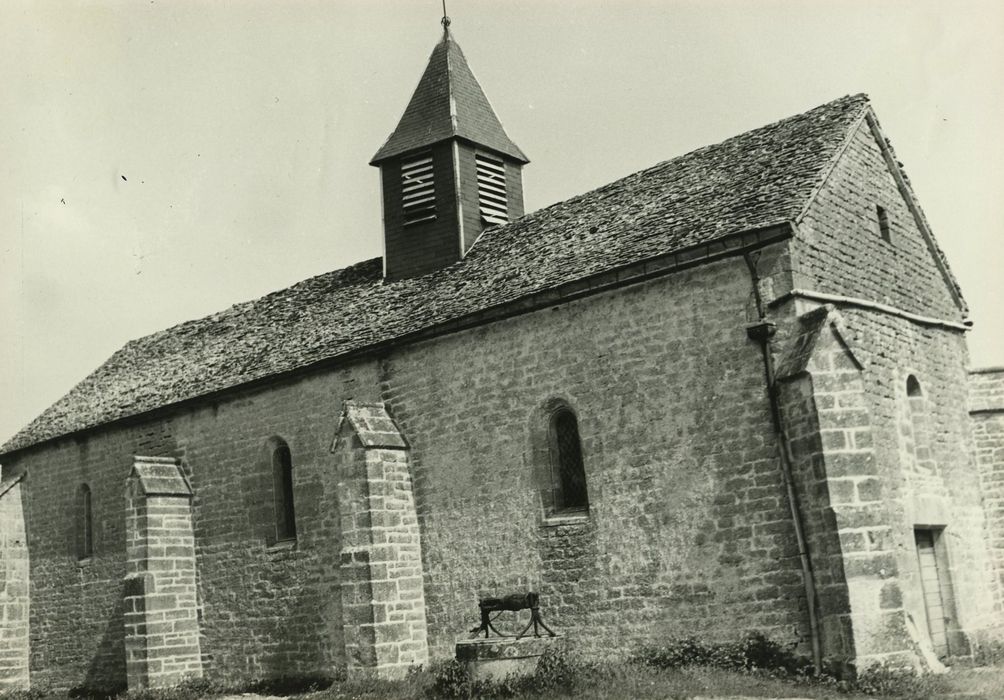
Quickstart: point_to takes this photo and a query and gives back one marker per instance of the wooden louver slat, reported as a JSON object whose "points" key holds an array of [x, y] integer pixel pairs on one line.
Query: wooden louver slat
{"points": [[418, 190], [492, 200]]}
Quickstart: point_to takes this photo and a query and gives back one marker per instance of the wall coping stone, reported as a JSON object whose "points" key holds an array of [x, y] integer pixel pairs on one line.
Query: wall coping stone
{"points": [[160, 476], [372, 424]]}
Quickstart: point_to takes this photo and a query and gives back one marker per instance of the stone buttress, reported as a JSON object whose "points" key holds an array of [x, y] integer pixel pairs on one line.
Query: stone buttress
{"points": [[860, 604], [383, 600], [161, 615]]}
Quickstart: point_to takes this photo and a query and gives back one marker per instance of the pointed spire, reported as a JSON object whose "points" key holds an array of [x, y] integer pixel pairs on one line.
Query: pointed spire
{"points": [[448, 103]]}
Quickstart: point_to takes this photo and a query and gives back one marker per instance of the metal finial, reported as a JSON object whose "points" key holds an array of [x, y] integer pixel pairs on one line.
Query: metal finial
{"points": [[446, 19]]}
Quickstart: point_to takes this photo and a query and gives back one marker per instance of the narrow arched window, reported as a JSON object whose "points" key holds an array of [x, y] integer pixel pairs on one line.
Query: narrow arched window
{"points": [[282, 477], [85, 523], [919, 427], [566, 462]]}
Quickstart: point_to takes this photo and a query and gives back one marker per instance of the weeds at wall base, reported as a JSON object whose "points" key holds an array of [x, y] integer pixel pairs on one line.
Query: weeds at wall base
{"points": [[754, 666]]}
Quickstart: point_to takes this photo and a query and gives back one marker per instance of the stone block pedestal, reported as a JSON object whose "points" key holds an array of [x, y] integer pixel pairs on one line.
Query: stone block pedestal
{"points": [[495, 659]]}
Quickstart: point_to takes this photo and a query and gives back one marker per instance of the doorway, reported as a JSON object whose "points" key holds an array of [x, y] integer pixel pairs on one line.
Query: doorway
{"points": [[936, 587]]}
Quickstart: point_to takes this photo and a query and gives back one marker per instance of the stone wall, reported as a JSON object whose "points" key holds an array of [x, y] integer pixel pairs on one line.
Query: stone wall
{"points": [[921, 443], [76, 613], [269, 607], [840, 250], [986, 408], [14, 603], [266, 608], [832, 437], [687, 531]]}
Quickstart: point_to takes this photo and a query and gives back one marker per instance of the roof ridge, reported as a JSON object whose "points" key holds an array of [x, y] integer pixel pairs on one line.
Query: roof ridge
{"points": [[447, 38], [639, 174]]}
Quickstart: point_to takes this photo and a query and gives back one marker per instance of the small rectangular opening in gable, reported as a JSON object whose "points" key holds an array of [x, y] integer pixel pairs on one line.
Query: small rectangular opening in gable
{"points": [[418, 190], [492, 201], [883, 223]]}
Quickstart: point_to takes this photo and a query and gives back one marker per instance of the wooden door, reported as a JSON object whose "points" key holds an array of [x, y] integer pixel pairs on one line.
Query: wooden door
{"points": [[930, 580]]}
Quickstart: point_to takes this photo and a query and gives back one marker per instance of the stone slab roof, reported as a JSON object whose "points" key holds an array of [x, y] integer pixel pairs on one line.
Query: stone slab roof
{"points": [[760, 178]]}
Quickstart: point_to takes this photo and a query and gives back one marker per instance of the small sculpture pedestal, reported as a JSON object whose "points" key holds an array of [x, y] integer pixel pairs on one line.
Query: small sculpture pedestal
{"points": [[494, 659]]}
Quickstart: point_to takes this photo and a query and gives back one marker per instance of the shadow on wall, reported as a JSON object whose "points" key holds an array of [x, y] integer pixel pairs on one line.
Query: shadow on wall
{"points": [[303, 635], [107, 672], [298, 644]]}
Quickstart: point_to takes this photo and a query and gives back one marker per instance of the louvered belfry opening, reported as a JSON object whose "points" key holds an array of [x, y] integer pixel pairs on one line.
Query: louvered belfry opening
{"points": [[492, 202], [448, 170], [418, 190]]}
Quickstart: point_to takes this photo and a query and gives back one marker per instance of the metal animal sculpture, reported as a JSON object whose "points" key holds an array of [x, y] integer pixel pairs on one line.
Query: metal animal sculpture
{"points": [[513, 602]]}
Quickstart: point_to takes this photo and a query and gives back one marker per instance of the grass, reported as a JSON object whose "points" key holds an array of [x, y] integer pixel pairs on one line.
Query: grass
{"points": [[604, 681], [639, 682]]}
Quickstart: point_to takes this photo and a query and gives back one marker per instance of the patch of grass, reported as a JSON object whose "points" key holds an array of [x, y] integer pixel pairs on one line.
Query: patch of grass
{"points": [[652, 677]]}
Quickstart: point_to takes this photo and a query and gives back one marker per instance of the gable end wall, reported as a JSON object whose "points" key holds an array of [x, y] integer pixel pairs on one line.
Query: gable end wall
{"points": [[838, 249]]}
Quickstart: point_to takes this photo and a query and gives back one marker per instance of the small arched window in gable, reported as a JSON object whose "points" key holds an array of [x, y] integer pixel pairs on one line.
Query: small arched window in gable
{"points": [[913, 387], [85, 523], [282, 477], [568, 472]]}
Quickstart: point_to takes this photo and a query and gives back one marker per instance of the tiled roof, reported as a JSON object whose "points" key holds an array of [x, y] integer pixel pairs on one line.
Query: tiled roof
{"points": [[447, 103], [758, 179]]}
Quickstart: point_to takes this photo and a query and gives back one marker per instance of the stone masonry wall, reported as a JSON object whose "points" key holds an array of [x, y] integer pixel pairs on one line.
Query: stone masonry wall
{"points": [[839, 249], [922, 445], [266, 608], [946, 496], [269, 608], [687, 532], [862, 619], [14, 601], [76, 613], [986, 408]]}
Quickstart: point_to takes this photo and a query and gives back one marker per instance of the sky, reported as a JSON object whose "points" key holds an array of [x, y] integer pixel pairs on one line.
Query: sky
{"points": [[160, 161]]}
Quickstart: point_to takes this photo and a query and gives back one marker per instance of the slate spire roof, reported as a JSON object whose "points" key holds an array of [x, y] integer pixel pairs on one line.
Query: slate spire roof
{"points": [[448, 103], [759, 179]]}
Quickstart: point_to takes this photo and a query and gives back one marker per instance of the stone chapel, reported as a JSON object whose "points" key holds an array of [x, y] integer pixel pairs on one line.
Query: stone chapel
{"points": [[728, 392]]}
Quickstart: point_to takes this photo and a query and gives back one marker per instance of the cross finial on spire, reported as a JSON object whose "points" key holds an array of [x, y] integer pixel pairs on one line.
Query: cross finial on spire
{"points": [[446, 19]]}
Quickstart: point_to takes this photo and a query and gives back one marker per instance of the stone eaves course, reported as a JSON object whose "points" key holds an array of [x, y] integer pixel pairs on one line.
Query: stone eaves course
{"points": [[761, 178]]}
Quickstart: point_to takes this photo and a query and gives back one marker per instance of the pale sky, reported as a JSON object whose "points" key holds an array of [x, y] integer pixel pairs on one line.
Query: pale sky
{"points": [[160, 161]]}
